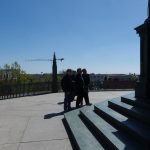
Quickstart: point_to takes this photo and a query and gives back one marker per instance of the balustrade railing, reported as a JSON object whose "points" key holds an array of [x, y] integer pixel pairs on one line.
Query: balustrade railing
{"points": [[13, 90], [9, 90]]}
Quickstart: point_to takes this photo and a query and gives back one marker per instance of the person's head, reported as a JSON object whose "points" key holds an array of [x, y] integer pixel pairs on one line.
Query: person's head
{"points": [[73, 72], [68, 71], [79, 71], [84, 71]]}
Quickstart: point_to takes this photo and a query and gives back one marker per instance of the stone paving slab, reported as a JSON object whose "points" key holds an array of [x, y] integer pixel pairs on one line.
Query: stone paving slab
{"points": [[35, 122], [12, 129], [39, 130], [47, 145], [9, 146]]}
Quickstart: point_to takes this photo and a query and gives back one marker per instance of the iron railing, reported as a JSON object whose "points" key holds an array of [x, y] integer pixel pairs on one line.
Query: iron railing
{"points": [[112, 84], [14, 90]]}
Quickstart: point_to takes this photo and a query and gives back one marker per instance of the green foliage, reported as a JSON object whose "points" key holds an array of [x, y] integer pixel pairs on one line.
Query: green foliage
{"points": [[6, 66], [133, 77], [46, 77], [17, 74], [20, 76]]}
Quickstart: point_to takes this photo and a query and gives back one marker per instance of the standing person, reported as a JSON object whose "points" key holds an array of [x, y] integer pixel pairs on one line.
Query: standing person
{"points": [[86, 79], [66, 84], [73, 85], [79, 87]]}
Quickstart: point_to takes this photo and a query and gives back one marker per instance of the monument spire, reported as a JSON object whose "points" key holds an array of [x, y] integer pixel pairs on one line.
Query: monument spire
{"points": [[148, 8], [54, 75]]}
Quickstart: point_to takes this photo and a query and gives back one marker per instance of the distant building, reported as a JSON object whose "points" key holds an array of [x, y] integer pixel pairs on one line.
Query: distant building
{"points": [[5, 74], [112, 81], [119, 77], [96, 77], [96, 81], [102, 77]]}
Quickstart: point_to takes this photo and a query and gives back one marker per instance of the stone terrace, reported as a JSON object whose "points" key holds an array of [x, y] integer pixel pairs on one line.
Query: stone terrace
{"points": [[35, 122]]}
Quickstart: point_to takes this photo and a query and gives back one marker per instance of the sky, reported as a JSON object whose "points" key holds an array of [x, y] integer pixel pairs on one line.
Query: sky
{"points": [[97, 35]]}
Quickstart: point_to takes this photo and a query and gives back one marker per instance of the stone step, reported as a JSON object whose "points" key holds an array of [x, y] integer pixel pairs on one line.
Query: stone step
{"points": [[109, 136], [130, 111], [131, 127], [81, 136], [131, 100]]}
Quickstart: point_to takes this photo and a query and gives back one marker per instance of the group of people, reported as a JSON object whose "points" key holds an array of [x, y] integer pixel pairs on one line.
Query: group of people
{"points": [[75, 84]]}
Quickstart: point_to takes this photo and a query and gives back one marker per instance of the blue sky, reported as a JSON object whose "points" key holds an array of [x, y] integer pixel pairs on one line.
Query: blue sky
{"points": [[95, 34]]}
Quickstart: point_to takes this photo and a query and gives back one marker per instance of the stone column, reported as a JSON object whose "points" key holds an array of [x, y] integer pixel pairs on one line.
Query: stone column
{"points": [[142, 90]]}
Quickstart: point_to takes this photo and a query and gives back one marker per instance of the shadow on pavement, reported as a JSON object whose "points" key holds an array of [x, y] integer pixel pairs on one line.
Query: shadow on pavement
{"points": [[49, 116], [60, 103]]}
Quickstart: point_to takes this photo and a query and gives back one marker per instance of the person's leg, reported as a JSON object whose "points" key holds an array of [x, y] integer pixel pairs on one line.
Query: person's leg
{"points": [[79, 99], [86, 97], [69, 105], [70, 97], [81, 103], [65, 102]]}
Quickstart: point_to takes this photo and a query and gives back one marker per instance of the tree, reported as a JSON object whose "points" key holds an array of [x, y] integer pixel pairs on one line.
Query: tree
{"points": [[16, 71], [133, 77], [17, 74], [6, 66], [15, 66], [24, 77]]}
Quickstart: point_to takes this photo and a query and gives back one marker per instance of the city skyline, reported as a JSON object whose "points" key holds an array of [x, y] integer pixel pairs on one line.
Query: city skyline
{"points": [[97, 35]]}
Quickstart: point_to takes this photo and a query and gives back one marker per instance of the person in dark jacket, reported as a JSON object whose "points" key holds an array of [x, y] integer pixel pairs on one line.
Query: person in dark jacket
{"points": [[86, 79], [79, 87], [66, 84]]}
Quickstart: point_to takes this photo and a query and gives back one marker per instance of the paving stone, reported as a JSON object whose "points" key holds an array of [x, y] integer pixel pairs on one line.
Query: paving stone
{"points": [[12, 129], [46, 145], [44, 129], [22, 119], [9, 146]]}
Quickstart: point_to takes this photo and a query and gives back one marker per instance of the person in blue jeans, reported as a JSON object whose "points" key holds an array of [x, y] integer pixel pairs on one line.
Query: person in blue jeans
{"points": [[67, 87]]}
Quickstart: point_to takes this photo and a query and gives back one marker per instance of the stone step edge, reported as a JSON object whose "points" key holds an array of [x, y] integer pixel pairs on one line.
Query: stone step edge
{"points": [[80, 133], [134, 102], [105, 136], [126, 110], [117, 119]]}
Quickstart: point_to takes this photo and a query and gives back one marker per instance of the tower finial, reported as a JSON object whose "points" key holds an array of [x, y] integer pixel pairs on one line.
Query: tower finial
{"points": [[54, 57]]}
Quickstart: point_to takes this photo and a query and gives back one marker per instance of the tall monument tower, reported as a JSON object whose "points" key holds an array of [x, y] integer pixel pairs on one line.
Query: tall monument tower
{"points": [[142, 90], [54, 75], [148, 9]]}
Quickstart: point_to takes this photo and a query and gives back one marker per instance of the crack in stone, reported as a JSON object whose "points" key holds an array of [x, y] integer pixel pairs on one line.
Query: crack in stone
{"points": [[45, 140], [24, 132], [37, 141]]}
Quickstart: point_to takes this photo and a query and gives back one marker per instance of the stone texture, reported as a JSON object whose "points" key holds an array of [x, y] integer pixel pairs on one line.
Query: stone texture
{"points": [[47, 145], [22, 123]]}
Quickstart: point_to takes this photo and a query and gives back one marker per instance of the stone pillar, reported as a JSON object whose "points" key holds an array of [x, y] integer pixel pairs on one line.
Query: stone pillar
{"points": [[142, 90]]}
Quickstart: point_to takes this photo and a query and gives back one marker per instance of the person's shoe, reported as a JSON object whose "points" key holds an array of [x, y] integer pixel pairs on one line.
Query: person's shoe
{"points": [[69, 109], [89, 104], [65, 110]]}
